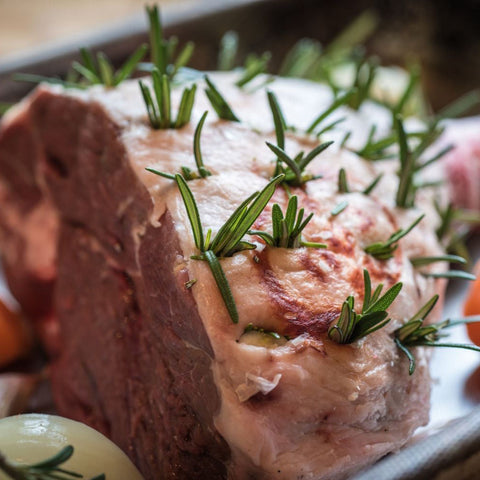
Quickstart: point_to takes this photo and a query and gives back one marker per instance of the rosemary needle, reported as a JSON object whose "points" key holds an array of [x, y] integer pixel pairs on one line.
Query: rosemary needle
{"points": [[45, 470], [218, 102]]}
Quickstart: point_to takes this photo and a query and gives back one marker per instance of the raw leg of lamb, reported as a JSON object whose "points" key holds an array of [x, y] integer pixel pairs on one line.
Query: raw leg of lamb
{"points": [[99, 250]]}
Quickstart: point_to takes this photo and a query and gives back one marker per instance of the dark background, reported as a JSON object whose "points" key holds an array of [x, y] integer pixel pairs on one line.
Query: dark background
{"points": [[443, 36]]}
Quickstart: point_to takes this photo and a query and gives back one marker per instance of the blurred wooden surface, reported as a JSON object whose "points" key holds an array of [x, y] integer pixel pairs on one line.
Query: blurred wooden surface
{"points": [[30, 23]]}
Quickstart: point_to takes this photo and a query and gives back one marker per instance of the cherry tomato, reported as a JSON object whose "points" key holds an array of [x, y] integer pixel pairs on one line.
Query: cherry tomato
{"points": [[15, 336], [472, 307]]}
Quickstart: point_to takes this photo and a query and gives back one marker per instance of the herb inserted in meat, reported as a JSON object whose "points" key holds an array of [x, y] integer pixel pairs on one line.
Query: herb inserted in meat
{"points": [[294, 168], [228, 239], [414, 333], [159, 106], [45, 470], [218, 102], [188, 173], [287, 230], [337, 102], [385, 250], [351, 326], [254, 66]]}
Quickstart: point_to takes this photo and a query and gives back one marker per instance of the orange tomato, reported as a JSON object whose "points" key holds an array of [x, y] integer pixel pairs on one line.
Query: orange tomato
{"points": [[472, 307], [15, 337]]}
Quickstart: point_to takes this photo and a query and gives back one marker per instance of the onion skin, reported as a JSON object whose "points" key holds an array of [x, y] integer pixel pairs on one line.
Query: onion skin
{"points": [[31, 438]]}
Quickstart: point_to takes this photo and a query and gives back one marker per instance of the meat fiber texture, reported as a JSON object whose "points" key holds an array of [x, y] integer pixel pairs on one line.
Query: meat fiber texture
{"points": [[99, 250]]}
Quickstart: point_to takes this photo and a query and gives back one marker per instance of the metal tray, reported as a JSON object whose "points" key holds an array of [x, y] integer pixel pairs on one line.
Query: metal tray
{"points": [[275, 25]]}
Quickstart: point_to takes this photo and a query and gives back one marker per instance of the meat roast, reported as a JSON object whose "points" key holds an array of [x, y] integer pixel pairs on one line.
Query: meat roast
{"points": [[98, 251]]}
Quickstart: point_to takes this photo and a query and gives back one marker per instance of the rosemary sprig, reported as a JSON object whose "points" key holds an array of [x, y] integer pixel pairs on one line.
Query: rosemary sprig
{"points": [[45, 470], [385, 250], [370, 187], [188, 173], [351, 326], [405, 196], [100, 71], [228, 239], [409, 157], [162, 49], [228, 51], [459, 274], [423, 261], [340, 100], [254, 66], [414, 333], [288, 228], [294, 168], [409, 160], [301, 61], [218, 102], [365, 71], [413, 80], [377, 149], [159, 105], [450, 274]]}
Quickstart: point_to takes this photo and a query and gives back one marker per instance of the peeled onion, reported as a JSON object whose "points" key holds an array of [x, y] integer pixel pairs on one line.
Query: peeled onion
{"points": [[31, 438]]}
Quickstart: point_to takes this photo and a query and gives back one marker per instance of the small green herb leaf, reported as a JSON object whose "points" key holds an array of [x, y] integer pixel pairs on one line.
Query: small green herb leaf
{"points": [[222, 284], [44, 470], [337, 102], [339, 208], [278, 119], [351, 326], [365, 72], [228, 51], [192, 212], [202, 171], [293, 168], [342, 181], [369, 189], [254, 66], [423, 261], [287, 230], [218, 102], [385, 250], [459, 274]]}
